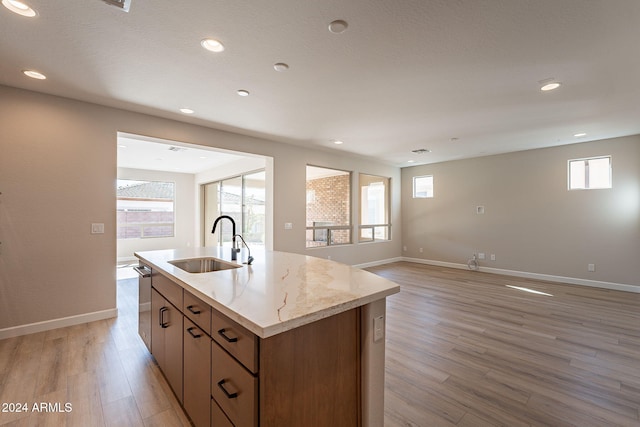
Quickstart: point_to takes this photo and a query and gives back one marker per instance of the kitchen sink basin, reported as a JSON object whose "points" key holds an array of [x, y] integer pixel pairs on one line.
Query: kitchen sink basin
{"points": [[203, 265]]}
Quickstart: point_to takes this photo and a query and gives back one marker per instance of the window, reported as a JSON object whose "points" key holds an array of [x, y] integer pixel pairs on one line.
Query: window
{"points": [[145, 209], [243, 199], [422, 187], [374, 208], [590, 173], [328, 207]]}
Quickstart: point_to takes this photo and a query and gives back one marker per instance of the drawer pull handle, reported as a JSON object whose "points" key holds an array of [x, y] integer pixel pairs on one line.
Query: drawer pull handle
{"points": [[190, 308], [224, 390], [163, 324], [222, 333], [190, 330], [143, 271]]}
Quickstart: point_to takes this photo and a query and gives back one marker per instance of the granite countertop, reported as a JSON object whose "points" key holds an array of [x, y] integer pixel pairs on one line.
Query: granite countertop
{"points": [[278, 292]]}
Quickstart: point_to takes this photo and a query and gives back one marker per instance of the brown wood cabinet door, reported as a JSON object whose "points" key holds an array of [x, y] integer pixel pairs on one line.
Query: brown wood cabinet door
{"points": [[197, 374], [173, 350], [158, 305], [233, 388], [166, 340]]}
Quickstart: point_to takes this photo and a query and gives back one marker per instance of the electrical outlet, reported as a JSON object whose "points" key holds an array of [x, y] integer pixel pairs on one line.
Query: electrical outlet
{"points": [[493, 257], [378, 328], [591, 267], [421, 250], [481, 255], [288, 225], [97, 228]]}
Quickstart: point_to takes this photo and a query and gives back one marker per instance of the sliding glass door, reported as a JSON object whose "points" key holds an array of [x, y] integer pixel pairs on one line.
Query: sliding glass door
{"points": [[243, 199]]}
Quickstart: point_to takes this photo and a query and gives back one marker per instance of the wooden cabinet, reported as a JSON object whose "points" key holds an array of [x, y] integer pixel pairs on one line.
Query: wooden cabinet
{"points": [[236, 339], [197, 368], [166, 340], [310, 376], [218, 418], [224, 375], [234, 388]]}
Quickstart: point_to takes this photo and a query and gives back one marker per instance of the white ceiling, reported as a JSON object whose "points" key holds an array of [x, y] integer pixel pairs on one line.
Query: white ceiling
{"points": [[457, 77], [139, 152]]}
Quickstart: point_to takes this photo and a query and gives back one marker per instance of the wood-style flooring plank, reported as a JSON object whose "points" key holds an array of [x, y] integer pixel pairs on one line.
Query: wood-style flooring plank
{"points": [[504, 357]]}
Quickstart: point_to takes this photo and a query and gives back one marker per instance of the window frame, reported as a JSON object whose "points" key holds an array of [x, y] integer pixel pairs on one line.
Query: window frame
{"points": [[386, 224], [587, 173], [143, 225], [324, 231], [413, 189]]}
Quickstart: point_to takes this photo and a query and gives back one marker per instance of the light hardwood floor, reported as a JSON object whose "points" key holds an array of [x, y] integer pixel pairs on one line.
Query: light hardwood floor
{"points": [[465, 350], [462, 350]]}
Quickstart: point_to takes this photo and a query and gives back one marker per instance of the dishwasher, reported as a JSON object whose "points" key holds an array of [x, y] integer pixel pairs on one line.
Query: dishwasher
{"points": [[144, 303]]}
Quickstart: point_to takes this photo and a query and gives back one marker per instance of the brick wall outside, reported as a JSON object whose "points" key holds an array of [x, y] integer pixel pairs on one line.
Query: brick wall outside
{"points": [[331, 203]]}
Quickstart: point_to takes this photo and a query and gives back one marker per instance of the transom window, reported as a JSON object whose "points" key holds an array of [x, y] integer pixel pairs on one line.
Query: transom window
{"points": [[422, 187], [591, 173]]}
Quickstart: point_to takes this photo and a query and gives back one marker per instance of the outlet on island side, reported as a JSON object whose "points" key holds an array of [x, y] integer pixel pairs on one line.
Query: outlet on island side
{"points": [[378, 328]]}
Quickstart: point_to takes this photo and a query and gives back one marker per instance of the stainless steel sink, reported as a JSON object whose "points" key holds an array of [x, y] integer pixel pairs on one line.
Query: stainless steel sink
{"points": [[203, 265]]}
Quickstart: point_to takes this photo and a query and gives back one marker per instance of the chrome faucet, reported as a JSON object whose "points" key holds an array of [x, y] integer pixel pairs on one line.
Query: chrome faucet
{"points": [[234, 249]]}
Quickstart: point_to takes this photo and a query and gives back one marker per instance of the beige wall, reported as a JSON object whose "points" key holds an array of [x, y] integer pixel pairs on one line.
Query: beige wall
{"points": [[57, 176], [531, 222]]}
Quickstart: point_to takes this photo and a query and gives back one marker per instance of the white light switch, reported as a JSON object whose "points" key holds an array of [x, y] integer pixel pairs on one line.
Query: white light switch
{"points": [[97, 228], [288, 225], [378, 328]]}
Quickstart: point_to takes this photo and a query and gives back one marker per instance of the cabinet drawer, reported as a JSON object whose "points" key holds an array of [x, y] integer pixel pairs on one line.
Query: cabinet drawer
{"points": [[197, 374], [170, 290], [198, 311], [233, 388], [237, 340], [218, 418]]}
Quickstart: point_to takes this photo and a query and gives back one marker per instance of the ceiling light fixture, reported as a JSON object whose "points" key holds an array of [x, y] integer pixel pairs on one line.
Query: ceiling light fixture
{"points": [[421, 151], [34, 74], [19, 7], [243, 92], [338, 26], [549, 84], [579, 135], [187, 111], [280, 67], [411, 161], [212, 45], [338, 142]]}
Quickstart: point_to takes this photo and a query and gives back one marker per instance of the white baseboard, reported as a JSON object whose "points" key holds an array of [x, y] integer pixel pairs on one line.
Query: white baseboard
{"points": [[380, 262], [537, 276], [47, 325]]}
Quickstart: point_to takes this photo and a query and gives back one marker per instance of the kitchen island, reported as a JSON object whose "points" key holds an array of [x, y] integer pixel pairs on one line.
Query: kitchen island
{"points": [[288, 340]]}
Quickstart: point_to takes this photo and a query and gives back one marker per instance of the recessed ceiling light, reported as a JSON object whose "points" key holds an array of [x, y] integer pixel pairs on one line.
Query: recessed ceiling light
{"points": [[19, 7], [212, 45], [410, 161], [550, 86], [454, 139], [338, 26], [337, 142], [243, 92], [280, 66], [34, 74], [421, 151], [187, 111], [581, 134]]}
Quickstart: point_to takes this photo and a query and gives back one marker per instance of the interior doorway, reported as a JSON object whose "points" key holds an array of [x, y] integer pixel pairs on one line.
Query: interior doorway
{"points": [[246, 181]]}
